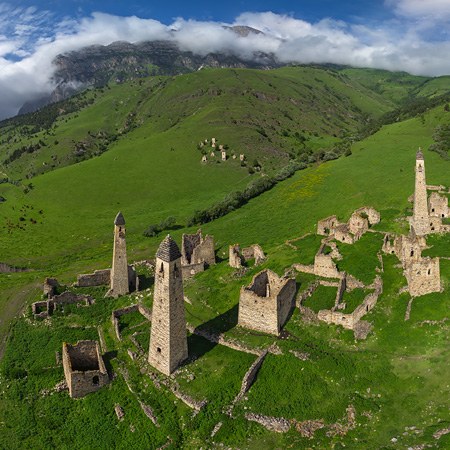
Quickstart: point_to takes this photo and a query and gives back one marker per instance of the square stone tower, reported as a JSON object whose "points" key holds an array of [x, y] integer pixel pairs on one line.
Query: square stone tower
{"points": [[168, 337], [420, 221], [120, 283]]}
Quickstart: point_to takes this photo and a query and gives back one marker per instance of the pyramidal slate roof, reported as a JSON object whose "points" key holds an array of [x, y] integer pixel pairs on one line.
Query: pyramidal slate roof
{"points": [[168, 250], [419, 154], [119, 220]]}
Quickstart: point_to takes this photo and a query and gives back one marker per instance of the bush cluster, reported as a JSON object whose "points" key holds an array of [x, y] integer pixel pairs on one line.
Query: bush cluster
{"points": [[236, 199], [155, 229]]}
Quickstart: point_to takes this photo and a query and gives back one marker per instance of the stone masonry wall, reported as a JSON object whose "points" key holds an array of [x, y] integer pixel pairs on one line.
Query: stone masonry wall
{"points": [[84, 368], [324, 265], [438, 205], [265, 304], [98, 278], [423, 276], [204, 252], [235, 259], [326, 226]]}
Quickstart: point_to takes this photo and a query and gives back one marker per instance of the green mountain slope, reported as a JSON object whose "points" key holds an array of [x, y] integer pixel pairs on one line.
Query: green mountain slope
{"points": [[256, 112], [390, 380]]}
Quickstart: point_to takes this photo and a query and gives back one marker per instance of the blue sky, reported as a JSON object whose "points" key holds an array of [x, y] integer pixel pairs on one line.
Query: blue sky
{"points": [[408, 35], [347, 10]]}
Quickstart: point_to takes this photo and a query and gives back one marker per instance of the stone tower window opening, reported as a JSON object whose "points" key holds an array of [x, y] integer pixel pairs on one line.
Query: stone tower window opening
{"points": [[95, 380]]}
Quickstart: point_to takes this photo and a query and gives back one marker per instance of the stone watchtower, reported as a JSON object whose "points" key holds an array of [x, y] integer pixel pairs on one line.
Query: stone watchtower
{"points": [[168, 337], [420, 220], [120, 284]]}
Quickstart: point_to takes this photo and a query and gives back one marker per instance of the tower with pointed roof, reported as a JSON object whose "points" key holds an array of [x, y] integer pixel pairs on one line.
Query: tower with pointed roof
{"points": [[168, 337], [420, 222], [120, 283]]}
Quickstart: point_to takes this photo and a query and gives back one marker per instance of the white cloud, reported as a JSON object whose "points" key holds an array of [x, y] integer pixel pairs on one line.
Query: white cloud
{"points": [[31, 36], [422, 9]]}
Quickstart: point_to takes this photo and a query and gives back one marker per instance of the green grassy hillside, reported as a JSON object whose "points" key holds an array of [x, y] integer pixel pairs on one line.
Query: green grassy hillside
{"points": [[255, 112], [395, 380]]}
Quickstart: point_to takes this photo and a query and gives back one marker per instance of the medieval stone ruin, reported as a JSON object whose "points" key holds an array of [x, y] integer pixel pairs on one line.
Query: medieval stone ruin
{"points": [[123, 277], [422, 274], [168, 338], [46, 308], [359, 223], [197, 252], [266, 303], [84, 368], [238, 258]]}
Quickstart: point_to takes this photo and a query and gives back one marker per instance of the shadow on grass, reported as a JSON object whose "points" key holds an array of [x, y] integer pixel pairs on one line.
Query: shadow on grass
{"points": [[107, 358], [146, 282], [198, 345]]}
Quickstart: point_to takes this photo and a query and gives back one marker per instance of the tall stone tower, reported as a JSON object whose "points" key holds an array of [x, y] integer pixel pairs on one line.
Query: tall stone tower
{"points": [[420, 220], [120, 283], [168, 338]]}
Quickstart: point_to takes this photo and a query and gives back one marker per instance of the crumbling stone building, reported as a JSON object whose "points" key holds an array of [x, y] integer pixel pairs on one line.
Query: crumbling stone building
{"points": [[196, 253], [360, 221], [84, 368], [237, 257], [438, 205], [266, 303], [408, 249], [168, 337], [423, 276], [324, 265], [326, 226]]}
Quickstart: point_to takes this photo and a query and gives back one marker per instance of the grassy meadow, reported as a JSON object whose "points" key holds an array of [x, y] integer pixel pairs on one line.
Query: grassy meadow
{"points": [[395, 379]]}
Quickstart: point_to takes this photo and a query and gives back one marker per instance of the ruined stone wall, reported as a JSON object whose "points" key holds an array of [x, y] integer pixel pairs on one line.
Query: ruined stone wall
{"points": [[50, 286], [40, 309], [250, 376], [342, 234], [84, 368], [337, 318], [357, 224], [67, 298], [98, 278], [438, 205], [5, 268], [341, 290], [254, 252], [204, 252], [436, 225], [266, 303], [423, 276], [189, 242], [324, 265], [286, 302], [326, 226], [192, 269], [372, 214], [235, 259]]}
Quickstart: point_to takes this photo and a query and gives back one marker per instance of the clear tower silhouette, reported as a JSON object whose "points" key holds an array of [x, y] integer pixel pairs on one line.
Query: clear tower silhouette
{"points": [[168, 337]]}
